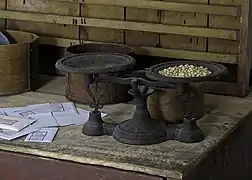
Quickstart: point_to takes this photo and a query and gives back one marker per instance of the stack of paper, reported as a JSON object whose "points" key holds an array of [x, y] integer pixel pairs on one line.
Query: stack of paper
{"points": [[39, 121], [14, 123]]}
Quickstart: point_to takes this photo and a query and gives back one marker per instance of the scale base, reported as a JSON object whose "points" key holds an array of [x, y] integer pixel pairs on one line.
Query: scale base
{"points": [[190, 132], [138, 132], [141, 129], [94, 125], [151, 132]]}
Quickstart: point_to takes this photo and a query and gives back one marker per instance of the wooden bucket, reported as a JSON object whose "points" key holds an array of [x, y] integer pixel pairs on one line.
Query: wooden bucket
{"points": [[112, 92], [19, 63], [164, 105]]}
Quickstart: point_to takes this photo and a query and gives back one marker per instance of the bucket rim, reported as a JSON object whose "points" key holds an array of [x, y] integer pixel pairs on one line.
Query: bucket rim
{"points": [[35, 37]]}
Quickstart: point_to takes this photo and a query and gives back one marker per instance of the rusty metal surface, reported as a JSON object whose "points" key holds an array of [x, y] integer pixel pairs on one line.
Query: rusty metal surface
{"points": [[217, 70], [164, 104], [95, 63], [113, 92]]}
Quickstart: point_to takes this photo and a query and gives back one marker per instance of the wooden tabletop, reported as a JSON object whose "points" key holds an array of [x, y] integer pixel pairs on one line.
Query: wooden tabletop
{"points": [[169, 159]]}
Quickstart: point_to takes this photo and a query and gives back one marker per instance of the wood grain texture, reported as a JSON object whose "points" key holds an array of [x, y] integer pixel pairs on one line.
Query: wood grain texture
{"points": [[198, 6], [140, 37], [117, 24], [46, 7], [164, 105], [227, 2], [160, 52], [209, 30], [169, 159], [180, 41], [18, 69], [223, 46], [245, 48], [33, 167], [190, 1], [2, 7], [224, 22], [102, 34]]}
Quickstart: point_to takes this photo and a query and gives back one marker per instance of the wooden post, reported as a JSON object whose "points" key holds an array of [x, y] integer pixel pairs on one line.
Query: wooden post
{"points": [[245, 48]]}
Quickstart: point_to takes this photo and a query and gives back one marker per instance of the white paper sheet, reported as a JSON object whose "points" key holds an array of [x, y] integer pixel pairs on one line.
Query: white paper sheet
{"points": [[10, 135], [42, 120], [56, 108], [42, 135], [80, 111], [71, 119], [46, 115], [14, 123], [2, 112], [9, 111]]}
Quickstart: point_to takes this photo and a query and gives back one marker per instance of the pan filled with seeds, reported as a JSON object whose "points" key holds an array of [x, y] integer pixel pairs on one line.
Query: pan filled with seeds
{"points": [[185, 71]]}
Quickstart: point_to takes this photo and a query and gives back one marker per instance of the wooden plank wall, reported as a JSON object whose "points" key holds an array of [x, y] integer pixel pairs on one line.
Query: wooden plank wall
{"points": [[48, 7], [2, 7], [185, 29], [171, 40], [224, 22], [102, 34]]}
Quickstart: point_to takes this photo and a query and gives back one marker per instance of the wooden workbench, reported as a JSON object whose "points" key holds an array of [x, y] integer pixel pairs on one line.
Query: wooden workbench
{"points": [[224, 154]]}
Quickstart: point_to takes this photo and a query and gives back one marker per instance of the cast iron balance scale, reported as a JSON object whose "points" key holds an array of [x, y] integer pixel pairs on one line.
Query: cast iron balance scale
{"points": [[141, 129]]}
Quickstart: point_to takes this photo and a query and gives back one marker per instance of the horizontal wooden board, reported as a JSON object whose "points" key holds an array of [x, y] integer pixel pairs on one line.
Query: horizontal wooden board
{"points": [[193, 43], [171, 53], [2, 4], [47, 7], [190, 55], [224, 22], [140, 37], [190, 1], [199, 6], [223, 46], [184, 19], [102, 34], [103, 12], [44, 29], [227, 2], [142, 15], [116, 24], [183, 42], [2, 7], [61, 42], [44, 6]]}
